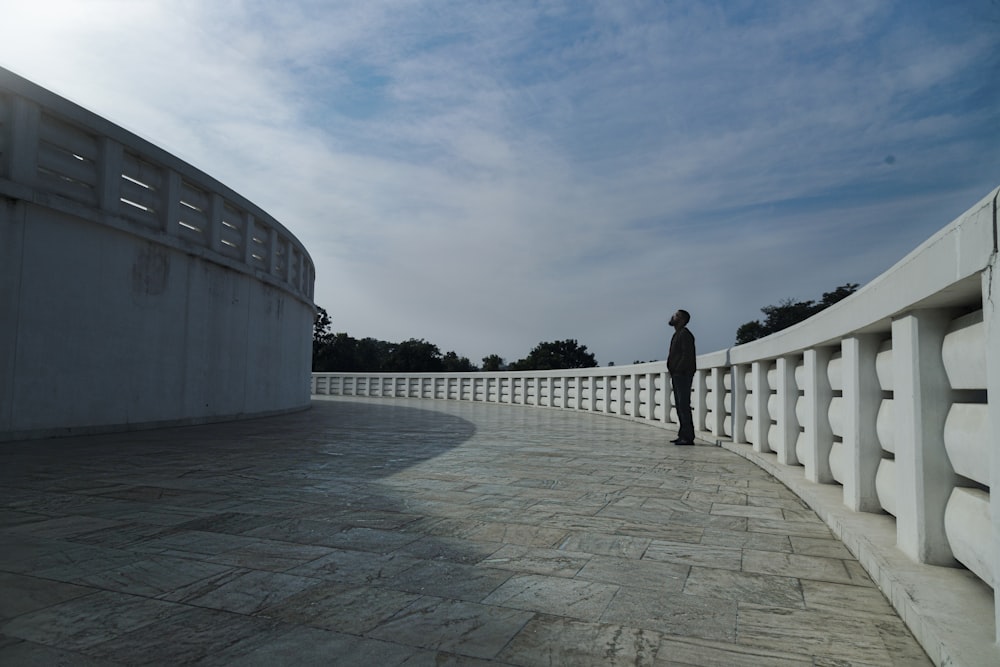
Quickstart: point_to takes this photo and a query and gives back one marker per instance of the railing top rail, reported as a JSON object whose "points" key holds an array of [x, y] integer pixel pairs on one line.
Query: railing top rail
{"points": [[945, 270]]}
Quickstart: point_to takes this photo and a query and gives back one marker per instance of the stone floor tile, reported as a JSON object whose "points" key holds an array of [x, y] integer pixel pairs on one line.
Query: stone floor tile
{"points": [[29, 654], [356, 567], [803, 514], [752, 511], [846, 599], [376, 519], [240, 591], [153, 575], [312, 647], [733, 482], [668, 532], [576, 523], [573, 598], [670, 505], [620, 546], [353, 610], [449, 580], [122, 537], [655, 575], [487, 511], [184, 638], [232, 523], [166, 515], [553, 640], [439, 509], [443, 526], [88, 620], [11, 518], [741, 539], [23, 594], [710, 521], [48, 503], [454, 549], [304, 531], [790, 528], [792, 503], [193, 543], [673, 614], [516, 533], [62, 528], [465, 628], [694, 554], [376, 540], [827, 548], [271, 555], [796, 565], [538, 561], [729, 585], [685, 484], [692, 651], [723, 496], [835, 637], [65, 561]]}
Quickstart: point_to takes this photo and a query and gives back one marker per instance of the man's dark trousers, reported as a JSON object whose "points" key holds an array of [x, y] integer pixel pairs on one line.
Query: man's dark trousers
{"points": [[682, 401]]}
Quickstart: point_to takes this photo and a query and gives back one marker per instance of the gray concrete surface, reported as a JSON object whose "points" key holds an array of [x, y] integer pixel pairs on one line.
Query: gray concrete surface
{"points": [[381, 532]]}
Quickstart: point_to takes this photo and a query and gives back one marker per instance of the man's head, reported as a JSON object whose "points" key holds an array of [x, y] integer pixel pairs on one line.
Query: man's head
{"points": [[680, 318]]}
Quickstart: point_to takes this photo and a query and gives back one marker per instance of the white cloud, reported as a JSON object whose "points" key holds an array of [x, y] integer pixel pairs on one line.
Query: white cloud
{"points": [[490, 175]]}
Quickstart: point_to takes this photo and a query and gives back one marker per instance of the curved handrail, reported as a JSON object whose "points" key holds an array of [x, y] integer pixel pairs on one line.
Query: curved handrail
{"points": [[892, 395]]}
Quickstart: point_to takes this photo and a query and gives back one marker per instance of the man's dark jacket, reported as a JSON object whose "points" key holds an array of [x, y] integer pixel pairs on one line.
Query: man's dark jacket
{"points": [[681, 358]]}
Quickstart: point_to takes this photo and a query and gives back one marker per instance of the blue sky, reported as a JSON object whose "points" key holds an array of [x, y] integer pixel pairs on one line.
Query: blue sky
{"points": [[489, 175]]}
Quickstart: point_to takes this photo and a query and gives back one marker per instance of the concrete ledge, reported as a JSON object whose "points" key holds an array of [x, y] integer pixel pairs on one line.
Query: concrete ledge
{"points": [[949, 610]]}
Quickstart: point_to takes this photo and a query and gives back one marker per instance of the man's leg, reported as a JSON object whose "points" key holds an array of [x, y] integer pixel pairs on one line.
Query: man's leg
{"points": [[682, 399]]}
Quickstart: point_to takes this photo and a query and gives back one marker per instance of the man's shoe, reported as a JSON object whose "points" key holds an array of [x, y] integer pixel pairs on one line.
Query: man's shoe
{"points": [[675, 441], [683, 442]]}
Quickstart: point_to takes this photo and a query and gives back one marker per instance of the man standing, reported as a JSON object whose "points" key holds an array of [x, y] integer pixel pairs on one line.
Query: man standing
{"points": [[681, 366]]}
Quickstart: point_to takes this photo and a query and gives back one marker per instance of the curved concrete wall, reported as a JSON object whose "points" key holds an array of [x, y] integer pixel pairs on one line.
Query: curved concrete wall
{"points": [[135, 290], [881, 412]]}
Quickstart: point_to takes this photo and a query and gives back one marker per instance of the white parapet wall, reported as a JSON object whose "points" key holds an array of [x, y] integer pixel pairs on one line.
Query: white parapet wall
{"points": [[881, 412], [135, 290]]}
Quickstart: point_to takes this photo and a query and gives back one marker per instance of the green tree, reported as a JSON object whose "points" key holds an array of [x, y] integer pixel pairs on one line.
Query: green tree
{"points": [[452, 363], [321, 339], [415, 356], [789, 312], [557, 354], [494, 362], [370, 354]]}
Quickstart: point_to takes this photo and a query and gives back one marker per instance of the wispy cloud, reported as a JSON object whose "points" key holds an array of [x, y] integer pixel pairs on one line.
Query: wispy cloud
{"points": [[490, 175]]}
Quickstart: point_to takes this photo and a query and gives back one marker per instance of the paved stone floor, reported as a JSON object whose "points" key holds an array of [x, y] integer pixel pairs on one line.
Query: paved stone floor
{"points": [[376, 532]]}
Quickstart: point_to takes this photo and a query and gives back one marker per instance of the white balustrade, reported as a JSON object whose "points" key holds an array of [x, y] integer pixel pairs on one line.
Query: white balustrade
{"points": [[968, 438], [967, 519], [891, 393], [885, 484]]}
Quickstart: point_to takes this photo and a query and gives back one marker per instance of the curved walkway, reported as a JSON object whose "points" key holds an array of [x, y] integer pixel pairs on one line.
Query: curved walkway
{"points": [[380, 532]]}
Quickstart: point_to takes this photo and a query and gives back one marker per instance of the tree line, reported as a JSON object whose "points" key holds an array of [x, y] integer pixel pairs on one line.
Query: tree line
{"points": [[788, 312], [339, 352]]}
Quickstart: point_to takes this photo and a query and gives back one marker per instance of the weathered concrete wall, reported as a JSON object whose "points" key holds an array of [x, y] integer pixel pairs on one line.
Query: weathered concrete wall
{"points": [[190, 305]]}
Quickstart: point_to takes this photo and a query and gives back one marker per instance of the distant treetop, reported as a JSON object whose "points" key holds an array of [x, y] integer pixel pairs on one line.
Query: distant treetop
{"points": [[789, 312]]}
